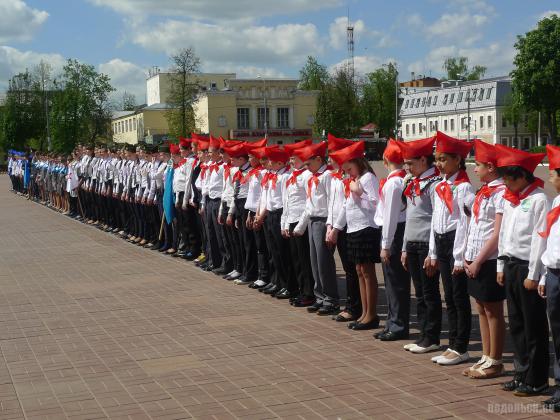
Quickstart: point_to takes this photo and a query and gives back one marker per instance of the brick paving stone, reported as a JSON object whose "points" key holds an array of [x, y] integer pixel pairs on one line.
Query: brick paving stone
{"points": [[93, 327]]}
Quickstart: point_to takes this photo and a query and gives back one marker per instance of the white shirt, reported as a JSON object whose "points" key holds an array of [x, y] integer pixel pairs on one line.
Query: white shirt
{"points": [[254, 191], [156, 179], [480, 231], [390, 210], [551, 257], [519, 235], [215, 176], [358, 211], [444, 222], [294, 199], [227, 192], [272, 196], [179, 179], [317, 200], [336, 199]]}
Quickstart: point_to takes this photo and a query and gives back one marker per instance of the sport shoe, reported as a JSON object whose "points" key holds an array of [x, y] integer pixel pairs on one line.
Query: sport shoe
{"points": [[439, 356], [241, 282], [477, 365], [453, 358], [420, 350]]}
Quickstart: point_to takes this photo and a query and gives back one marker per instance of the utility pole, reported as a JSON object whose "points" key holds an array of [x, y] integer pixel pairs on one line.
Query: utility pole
{"points": [[396, 102], [469, 114], [46, 99]]}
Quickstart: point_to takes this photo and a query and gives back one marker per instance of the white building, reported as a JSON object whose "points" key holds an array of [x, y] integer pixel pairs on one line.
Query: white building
{"points": [[447, 108]]}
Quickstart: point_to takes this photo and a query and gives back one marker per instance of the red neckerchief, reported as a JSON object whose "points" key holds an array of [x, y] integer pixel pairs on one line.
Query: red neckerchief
{"points": [[195, 162], [445, 193], [551, 218], [338, 175], [181, 162], [399, 174], [265, 178], [215, 167], [293, 179], [516, 198], [252, 172], [203, 169], [484, 194], [314, 180], [227, 170], [415, 184], [347, 183]]}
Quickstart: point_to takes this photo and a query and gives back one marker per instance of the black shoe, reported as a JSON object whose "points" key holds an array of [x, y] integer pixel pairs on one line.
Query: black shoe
{"points": [[283, 294], [271, 290], [361, 326], [279, 290], [220, 271], [163, 249], [189, 256], [304, 302], [314, 308], [340, 318], [266, 287], [512, 385], [178, 254], [393, 336], [378, 334], [208, 268], [551, 403], [328, 310], [525, 390]]}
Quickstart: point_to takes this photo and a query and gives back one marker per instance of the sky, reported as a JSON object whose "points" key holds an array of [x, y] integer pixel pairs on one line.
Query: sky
{"points": [[124, 38]]}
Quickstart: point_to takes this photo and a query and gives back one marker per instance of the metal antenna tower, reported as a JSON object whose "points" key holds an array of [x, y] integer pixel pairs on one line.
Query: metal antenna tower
{"points": [[350, 43]]}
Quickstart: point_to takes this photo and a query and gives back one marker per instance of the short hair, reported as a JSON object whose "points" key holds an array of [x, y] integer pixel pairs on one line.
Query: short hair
{"points": [[557, 171], [516, 172]]}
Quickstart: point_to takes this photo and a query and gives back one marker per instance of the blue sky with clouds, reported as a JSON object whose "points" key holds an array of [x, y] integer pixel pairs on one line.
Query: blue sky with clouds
{"points": [[125, 37]]}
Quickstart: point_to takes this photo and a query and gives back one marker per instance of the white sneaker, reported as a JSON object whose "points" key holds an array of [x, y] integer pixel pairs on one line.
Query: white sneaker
{"points": [[241, 282], [420, 350], [453, 358], [439, 356], [260, 283], [234, 275], [231, 273], [408, 346]]}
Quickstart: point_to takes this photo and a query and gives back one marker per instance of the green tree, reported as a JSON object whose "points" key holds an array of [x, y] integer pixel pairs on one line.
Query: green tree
{"points": [[338, 106], [313, 76], [536, 76], [513, 111], [128, 102], [458, 67], [184, 89], [378, 99]]}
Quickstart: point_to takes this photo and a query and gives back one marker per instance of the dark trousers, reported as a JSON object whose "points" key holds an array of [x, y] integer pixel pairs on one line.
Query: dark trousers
{"points": [[167, 235], [353, 299], [280, 251], [299, 250], [323, 265], [223, 241], [397, 287], [457, 298], [232, 243], [262, 253], [215, 244], [528, 325], [192, 230], [247, 240], [179, 231], [428, 298], [553, 310]]}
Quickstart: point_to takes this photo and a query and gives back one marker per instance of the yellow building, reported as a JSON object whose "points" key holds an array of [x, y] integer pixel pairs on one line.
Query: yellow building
{"points": [[227, 107], [239, 111]]}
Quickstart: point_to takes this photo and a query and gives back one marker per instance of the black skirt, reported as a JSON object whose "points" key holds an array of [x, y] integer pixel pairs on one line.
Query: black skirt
{"points": [[484, 286], [364, 246]]}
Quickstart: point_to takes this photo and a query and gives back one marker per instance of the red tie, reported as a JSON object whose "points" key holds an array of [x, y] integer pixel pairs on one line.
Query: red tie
{"points": [[551, 218], [445, 192], [347, 183], [274, 178], [195, 162], [515, 197], [227, 171], [338, 175], [484, 194], [415, 184], [238, 176], [181, 162], [293, 178], [313, 180], [252, 172], [203, 169], [215, 167], [400, 174], [265, 179]]}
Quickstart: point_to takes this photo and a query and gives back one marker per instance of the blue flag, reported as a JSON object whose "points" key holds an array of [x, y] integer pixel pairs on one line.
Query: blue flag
{"points": [[26, 173], [168, 202]]}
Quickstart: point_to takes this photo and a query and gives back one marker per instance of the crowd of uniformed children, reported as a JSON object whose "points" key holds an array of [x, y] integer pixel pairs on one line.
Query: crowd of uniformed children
{"points": [[271, 217]]}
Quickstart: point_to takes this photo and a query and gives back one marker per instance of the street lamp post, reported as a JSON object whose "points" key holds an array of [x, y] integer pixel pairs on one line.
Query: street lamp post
{"points": [[265, 109]]}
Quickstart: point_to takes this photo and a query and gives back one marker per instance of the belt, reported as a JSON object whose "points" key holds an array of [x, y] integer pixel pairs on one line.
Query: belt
{"points": [[318, 219], [516, 260], [446, 235], [276, 211], [555, 271], [214, 199]]}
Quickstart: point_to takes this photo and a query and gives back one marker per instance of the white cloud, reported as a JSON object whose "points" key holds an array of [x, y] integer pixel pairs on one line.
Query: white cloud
{"points": [[247, 44], [465, 28], [14, 61], [363, 64], [126, 76], [19, 21], [215, 10], [549, 13], [338, 28]]}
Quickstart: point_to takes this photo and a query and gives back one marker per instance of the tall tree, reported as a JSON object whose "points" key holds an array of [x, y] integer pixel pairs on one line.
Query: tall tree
{"points": [[128, 101], [513, 111], [81, 110], [313, 76], [378, 99], [184, 89], [458, 67], [338, 106], [536, 76]]}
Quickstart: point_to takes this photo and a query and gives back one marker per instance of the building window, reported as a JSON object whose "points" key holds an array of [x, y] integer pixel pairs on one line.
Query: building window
{"points": [[452, 124], [420, 128], [473, 94], [488, 93], [489, 125], [436, 124], [406, 103], [444, 125], [451, 98], [481, 95], [429, 101], [261, 115], [481, 122], [460, 98], [134, 123], [526, 143], [413, 129], [407, 130], [445, 99], [417, 102], [423, 102], [504, 141], [504, 122], [435, 100], [283, 117], [242, 118]]}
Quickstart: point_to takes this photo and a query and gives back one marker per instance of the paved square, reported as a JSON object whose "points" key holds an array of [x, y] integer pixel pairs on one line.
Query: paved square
{"points": [[93, 327]]}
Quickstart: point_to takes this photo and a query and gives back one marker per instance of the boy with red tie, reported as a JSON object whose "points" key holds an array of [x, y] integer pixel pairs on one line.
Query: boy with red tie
{"points": [[520, 268], [549, 286]]}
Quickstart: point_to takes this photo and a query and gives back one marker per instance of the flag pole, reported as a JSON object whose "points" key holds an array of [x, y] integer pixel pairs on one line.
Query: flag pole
{"points": [[161, 227]]}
